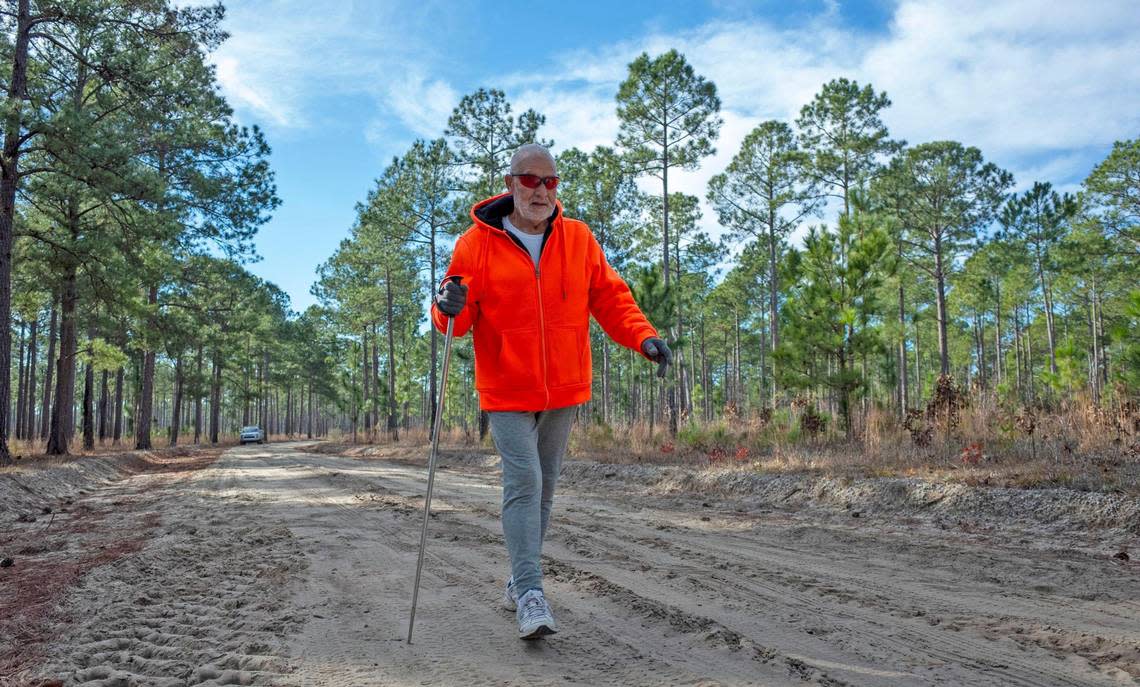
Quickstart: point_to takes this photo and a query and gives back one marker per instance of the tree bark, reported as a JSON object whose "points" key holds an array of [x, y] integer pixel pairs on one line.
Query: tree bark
{"points": [[999, 367], [980, 337], [145, 402], [216, 397], [1017, 353], [29, 409], [62, 420], [393, 424], [773, 290], [176, 416], [917, 369], [265, 363], [198, 398], [1103, 356], [366, 384], [104, 405], [89, 396], [1094, 365], [376, 407], [117, 434], [1047, 293], [9, 180], [940, 279], [18, 429], [49, 369], [1029, 355], [309, 430]]}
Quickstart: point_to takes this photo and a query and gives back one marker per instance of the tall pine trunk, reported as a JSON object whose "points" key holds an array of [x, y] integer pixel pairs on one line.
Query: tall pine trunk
{"points": [[176, 417], [117, 434], [29, 409], [20, 376], [940, 284], [89, 396], [104, 405], [1047, 293], [366, 384], [376, 385], [773, 291], [145, 402], [9, 179], [393, 424], [61, 417], [216, 397], [198, 398], [49, 369]]}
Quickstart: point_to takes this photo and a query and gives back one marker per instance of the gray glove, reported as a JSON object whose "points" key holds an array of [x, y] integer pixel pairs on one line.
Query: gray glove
{"points": [[658, 351], [451, 298]]}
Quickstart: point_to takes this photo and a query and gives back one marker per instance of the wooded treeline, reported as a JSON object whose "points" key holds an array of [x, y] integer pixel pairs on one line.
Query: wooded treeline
{"points": [[130, 198], [919, 263]]}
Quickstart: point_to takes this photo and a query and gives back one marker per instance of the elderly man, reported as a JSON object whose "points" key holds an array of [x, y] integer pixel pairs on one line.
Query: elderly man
{"points": [[530, 280]]}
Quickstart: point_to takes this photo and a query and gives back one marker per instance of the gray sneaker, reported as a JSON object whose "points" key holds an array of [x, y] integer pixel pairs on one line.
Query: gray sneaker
{"points": [[534, 616], [511, 595]]}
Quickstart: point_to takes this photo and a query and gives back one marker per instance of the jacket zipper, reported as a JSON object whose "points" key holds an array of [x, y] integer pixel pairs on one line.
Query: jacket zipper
{"points": [[542, 336], [541, 317]]}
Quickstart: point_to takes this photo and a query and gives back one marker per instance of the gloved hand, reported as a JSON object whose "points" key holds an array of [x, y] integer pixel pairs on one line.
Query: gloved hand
{"points": [[658, 351], [451, 298]]}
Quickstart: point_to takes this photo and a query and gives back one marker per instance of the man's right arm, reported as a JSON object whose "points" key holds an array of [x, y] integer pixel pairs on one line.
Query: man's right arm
{"points": [[463, 266]]}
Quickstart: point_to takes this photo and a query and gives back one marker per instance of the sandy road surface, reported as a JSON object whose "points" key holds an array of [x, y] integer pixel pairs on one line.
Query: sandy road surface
{"points": [[275, 566]]}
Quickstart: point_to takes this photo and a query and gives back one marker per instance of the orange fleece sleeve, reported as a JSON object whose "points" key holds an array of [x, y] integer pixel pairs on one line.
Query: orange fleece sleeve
{"points": [[462, 265], [612, 304]]}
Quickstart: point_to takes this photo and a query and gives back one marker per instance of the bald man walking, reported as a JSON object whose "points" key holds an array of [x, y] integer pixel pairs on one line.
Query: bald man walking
{"points": [[531, 279]]}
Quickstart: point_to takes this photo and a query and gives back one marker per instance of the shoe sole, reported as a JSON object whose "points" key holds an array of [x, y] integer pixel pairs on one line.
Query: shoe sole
{"points": [[538, 633]]}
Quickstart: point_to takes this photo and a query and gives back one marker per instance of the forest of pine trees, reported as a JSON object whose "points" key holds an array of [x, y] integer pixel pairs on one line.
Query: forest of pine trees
{"points": [[858, 284]]}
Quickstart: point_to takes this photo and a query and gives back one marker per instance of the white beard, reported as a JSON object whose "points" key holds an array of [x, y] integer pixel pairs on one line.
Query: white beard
{"points": [[533, 214]]}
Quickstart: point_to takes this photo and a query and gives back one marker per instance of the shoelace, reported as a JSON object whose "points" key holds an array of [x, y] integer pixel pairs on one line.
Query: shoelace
{"points": [[535, 609]]}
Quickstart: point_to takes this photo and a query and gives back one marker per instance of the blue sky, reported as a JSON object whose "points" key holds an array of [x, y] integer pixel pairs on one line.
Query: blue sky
{"points": [[340, 87]]}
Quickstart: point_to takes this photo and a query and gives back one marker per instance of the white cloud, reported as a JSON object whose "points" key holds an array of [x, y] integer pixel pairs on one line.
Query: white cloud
{"points": [[1011, 79], [244, 91], [285, 59], [421, 104], [1035, 88]]}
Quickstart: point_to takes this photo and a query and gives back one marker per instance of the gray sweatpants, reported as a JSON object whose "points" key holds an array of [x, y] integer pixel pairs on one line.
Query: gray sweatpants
{"points": [[531, 446]]}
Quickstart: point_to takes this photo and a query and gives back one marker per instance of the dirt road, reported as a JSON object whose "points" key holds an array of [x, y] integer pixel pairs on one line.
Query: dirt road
{"points": [[276, 566]]}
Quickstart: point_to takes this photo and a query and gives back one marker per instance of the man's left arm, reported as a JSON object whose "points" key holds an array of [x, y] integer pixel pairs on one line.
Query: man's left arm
{"points": [[612, 303]]}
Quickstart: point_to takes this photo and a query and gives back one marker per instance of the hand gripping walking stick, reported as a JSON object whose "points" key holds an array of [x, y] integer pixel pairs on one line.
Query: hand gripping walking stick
{"points": [[431, 462]]}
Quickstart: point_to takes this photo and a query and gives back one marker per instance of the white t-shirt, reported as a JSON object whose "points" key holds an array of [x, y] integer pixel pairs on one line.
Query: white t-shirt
{"points": [[533, 242]]}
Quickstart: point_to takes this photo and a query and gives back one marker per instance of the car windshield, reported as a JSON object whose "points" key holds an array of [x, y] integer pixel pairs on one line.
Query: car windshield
{"points": [[249, 429]]}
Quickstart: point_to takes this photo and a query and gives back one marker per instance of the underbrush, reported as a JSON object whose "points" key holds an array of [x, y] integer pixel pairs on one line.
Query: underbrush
{"points": [[1079, 446], [28, 452]]}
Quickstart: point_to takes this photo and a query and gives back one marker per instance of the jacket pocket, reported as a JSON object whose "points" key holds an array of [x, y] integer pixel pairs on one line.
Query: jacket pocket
{"points": [[568, 360], [519, 363]]}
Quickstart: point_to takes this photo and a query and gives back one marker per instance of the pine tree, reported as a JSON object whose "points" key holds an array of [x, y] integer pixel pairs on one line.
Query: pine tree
{"points": [[763, 195], [669, 118]]}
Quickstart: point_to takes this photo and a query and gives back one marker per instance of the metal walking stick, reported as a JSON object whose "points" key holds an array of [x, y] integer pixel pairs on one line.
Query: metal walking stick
{"points": [[431, 462]]}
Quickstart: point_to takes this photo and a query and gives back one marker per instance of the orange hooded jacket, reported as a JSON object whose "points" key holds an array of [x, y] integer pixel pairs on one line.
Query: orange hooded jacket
{"points": [[531, 326]]}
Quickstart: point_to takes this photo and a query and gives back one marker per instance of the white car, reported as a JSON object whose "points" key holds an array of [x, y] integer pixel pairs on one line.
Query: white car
{"points": [[253, 434]]}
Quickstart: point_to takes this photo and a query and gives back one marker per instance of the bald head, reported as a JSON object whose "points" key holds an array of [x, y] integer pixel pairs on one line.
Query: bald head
{"points": [[527, 152]]}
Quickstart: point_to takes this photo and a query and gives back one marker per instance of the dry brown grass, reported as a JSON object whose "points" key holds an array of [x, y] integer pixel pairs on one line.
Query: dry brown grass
{"points": [[1078, 446], [34, 450]]}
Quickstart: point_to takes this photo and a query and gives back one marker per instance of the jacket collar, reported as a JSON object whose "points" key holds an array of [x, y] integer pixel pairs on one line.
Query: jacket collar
{"points": [[489, 213]]}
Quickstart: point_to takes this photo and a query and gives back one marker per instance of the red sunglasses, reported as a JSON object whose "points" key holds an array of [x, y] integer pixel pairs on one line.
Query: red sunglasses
{"points": [[533, 180]]}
